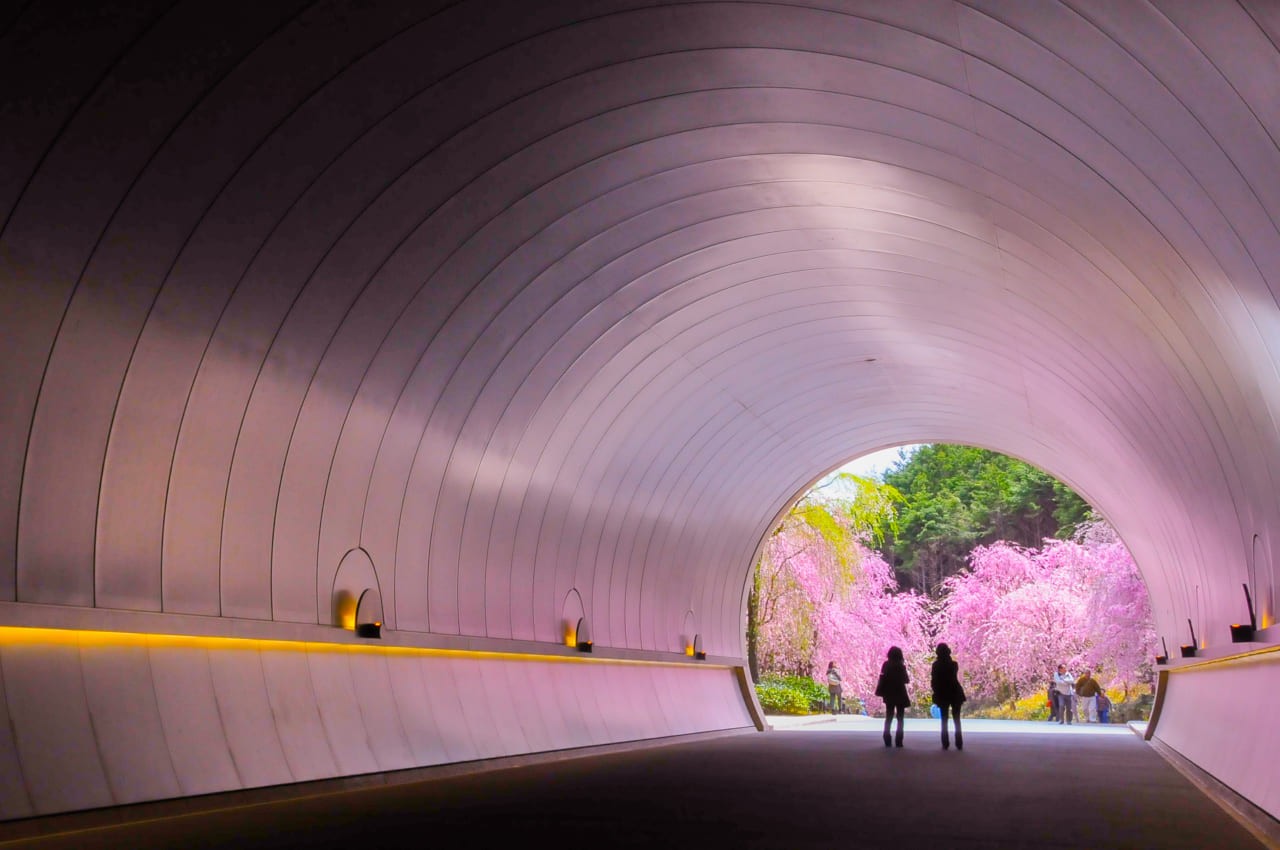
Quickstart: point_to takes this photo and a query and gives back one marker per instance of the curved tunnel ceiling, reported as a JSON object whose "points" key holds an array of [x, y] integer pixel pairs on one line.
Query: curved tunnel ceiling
{"points": [[522, 298]]}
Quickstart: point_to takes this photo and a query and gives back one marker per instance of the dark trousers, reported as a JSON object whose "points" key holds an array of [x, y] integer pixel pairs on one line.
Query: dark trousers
{"points": [[1066, 708], [889, 712], [835, 698], [955, 719]]}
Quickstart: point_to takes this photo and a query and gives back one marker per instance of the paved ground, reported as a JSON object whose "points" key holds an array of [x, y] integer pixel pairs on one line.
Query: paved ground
{"points": [[813, 783], [928, 730]]}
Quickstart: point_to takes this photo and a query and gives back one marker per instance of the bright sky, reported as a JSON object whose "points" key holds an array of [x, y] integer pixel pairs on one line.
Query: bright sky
{"points": [[872, 465]]}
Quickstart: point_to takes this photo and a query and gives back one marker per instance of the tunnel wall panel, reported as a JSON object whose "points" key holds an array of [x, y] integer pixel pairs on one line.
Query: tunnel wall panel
{"points": [[58, 753], [382, 718], [255, 741], [127, 726], [15, 799], [1222, 718], [295, 710], [340, 711], [193, 725], [153, 719]]}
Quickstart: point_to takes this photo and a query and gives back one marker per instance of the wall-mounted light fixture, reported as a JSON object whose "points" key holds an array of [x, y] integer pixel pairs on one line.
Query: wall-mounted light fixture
{"points": [[1189, 650], [369, 614], [698, 652], [1240, 633], [582, 635], [1163, 659], [357, 603]]}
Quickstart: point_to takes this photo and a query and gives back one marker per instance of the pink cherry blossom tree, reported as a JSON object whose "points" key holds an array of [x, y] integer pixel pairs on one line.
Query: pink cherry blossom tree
{"points": [[825, 595], [1016, 613], [1124, 641]]}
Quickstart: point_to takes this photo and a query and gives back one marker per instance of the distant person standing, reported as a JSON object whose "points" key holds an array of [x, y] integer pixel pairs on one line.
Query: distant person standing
{"points": [[948, 694], [1065, 687], [835, 686], [1087, 690], [892, 688]]}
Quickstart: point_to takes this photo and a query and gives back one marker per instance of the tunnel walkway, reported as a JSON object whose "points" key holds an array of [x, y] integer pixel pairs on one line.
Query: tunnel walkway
{"points": [[818, 785]]}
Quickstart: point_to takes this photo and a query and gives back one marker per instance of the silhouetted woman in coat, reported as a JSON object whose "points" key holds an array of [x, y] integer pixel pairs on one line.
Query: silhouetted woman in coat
{"points": [[893, 690], [948, 694]]}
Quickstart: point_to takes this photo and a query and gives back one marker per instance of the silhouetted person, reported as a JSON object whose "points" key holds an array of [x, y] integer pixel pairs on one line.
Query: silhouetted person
{"points": [[948, 693], [893, 690]]}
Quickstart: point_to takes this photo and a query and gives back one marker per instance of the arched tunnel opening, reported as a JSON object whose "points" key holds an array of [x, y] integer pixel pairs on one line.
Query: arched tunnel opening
{"points": [[955, 547], [405, 385]]}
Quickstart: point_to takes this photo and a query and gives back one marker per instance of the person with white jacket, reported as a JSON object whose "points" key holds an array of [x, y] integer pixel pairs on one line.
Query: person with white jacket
{"points": [[1065, 684]]}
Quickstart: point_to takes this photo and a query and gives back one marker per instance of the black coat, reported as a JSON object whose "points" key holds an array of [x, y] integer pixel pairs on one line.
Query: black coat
{"points": [[894, 678], [944, 678]]}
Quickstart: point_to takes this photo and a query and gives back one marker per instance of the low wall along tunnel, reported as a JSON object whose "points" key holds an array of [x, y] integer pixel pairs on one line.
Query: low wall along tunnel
{"points": [[367, 366]]}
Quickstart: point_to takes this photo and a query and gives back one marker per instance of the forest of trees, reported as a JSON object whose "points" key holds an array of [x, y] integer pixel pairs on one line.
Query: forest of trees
{"points": [[959, 544], [955, 498]]}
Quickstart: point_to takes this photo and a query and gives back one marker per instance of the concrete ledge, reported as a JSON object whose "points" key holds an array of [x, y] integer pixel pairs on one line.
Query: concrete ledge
{"points": [[1259, 823], [1226, 652], [74, 618]]}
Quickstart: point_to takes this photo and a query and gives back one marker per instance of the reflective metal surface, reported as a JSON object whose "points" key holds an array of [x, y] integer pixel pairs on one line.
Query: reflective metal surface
{"points": [[520, 298]]}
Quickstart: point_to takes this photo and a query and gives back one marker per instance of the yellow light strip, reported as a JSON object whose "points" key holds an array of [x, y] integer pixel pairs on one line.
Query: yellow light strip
{"points": [[28, 636]]}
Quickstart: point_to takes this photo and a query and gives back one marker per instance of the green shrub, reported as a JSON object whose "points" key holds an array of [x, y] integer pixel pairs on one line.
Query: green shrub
{"points": [[802, 684], [777, 698], [781, 694]]}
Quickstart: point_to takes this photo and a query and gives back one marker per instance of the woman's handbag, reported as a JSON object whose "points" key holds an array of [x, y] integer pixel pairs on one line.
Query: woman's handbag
{"points": [[880, 686]]}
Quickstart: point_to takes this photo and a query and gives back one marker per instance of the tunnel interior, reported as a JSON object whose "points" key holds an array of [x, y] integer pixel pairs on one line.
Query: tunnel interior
{"points": [[494, 320]]}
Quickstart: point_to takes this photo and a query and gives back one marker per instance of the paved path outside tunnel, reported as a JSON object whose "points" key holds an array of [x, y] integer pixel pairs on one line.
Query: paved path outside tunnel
{"points": [[825, 783]]}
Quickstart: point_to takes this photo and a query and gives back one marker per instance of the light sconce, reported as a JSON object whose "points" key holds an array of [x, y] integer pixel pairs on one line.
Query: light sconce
{"points": [[1241, 633], [1163, 659], [698, 652], [369, 614], [344, 610], [1189, 650], [582, 635]]}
